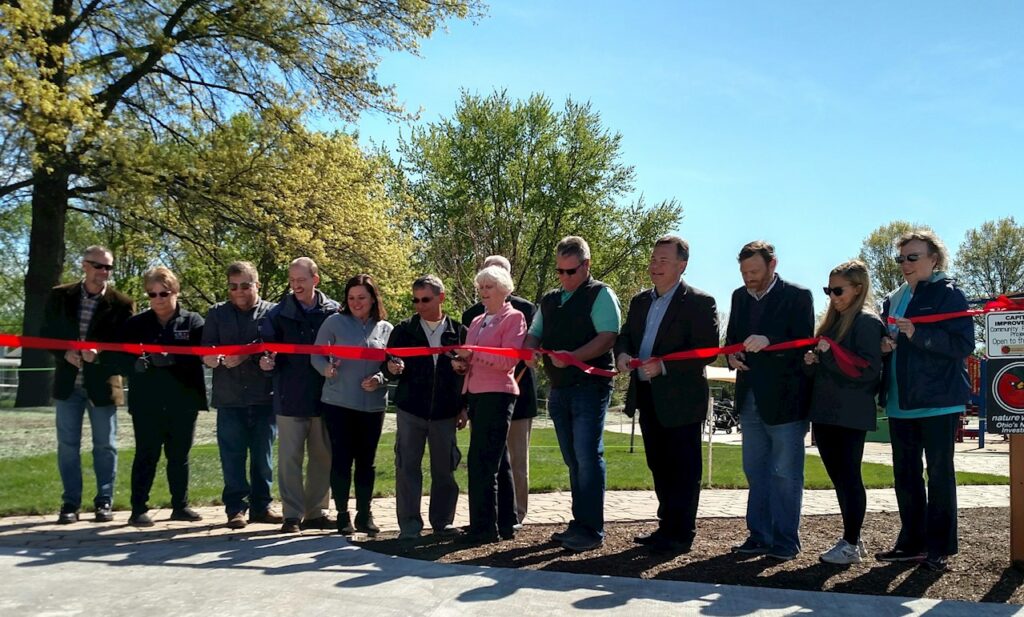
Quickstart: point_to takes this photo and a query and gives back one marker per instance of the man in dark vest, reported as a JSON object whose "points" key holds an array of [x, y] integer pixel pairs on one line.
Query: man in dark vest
{"points": [[92, 310], [772, 392], [580, 318], [672, 397], [526, 403]]}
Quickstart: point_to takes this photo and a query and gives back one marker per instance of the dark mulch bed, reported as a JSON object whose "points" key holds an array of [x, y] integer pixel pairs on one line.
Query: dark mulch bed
{"points": [[981, 572]]}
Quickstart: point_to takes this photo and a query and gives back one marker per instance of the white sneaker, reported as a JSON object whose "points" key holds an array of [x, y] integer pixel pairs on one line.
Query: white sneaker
{"points": [[861, 549], [842, 553]]}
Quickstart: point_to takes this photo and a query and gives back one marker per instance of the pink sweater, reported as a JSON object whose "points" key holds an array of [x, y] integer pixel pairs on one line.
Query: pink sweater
{"points": [[490, 372]]}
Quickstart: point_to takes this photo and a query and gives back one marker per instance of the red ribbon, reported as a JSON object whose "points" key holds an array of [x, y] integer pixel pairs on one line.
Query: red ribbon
{"points": [[1002, 303], [848, 363]]}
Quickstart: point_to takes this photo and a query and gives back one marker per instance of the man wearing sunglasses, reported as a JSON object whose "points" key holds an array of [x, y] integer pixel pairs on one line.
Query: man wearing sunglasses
{"points": [[430, 410], [774, 396], [246, 426], [92, 310], [581, 318]]}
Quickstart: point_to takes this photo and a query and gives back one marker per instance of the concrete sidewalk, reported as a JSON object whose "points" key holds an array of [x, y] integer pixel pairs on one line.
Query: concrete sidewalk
{"points": [[173, 571], [180, 568]]}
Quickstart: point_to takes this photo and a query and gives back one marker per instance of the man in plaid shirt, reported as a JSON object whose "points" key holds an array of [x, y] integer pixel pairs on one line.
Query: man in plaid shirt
{"points": [[90, 309]]}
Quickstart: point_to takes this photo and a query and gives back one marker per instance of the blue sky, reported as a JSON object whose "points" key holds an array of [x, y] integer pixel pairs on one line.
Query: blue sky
{"points": [[808, 124]]}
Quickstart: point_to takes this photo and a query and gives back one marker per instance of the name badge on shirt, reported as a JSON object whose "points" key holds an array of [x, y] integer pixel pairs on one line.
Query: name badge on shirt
{"points": [[181, 335]]}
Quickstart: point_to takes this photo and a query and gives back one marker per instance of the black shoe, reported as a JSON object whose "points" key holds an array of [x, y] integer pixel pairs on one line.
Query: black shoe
{"points": [[345, 527], [365, 524], [140, 519], [186, 514], [750, 547], [507, 534], [103, 513], [897, 555], [479, 537], [68, 514], [665, 546], [565, 534], [936, 564], [290, 525], [582, 541]]}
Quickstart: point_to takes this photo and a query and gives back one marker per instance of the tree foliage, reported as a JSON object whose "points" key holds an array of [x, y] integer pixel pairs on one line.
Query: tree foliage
{"points": [[513, 177], [80, 79], [990, 260], [879, 252]]}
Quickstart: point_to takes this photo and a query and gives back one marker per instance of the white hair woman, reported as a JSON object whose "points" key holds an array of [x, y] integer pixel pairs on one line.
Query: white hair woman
{"points": [[924, 391], [492, 392]]}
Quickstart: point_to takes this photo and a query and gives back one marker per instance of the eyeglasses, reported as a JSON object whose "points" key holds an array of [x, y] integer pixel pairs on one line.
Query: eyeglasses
{"points": [[911, 257], [568, 271], [162, 294], [99, 266], [833, 291], [244, 285], [423, 300]]}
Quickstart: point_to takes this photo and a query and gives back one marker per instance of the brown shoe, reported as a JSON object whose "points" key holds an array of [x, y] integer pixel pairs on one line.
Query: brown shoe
{"points": [[267, 516], [320, 522], [236, 521]]}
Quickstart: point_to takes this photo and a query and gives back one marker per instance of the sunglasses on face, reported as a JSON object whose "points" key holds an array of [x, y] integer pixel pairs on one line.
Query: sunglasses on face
{"points": [[911, 257], [568, 271], [833, 291], [245, 285], [423, 300], [162, 294], [99, 266]]}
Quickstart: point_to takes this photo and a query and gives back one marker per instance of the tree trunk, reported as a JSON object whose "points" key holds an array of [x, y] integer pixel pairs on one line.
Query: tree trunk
{"points": [[45, 264]]}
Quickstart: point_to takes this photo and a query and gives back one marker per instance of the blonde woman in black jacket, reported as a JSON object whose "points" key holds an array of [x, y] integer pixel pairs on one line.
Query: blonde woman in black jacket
{"points": [[843, 407]]}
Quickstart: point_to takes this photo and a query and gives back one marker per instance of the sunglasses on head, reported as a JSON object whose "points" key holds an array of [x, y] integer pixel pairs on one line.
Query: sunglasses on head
{"points": [[99, 266], [162, 294], [911, 257], [423, 300], [245, 285], [568, 271]]}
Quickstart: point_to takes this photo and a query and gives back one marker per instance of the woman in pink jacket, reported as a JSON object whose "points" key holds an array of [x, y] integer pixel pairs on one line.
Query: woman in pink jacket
{"points": [[492, 393]]}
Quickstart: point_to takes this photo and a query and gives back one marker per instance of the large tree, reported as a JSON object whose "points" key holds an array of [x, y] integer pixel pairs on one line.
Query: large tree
{"points": [[512, 177], [879, 252], [78, 75], [990, 260]]}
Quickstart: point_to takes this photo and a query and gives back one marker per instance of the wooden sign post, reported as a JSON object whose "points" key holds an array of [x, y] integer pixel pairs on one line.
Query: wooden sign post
{"points": [[1004, 398]]}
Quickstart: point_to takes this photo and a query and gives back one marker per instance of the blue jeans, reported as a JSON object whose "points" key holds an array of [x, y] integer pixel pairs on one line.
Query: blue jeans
{"points": [[243, 431], [103, 421], [578, 415], [773, 461]]}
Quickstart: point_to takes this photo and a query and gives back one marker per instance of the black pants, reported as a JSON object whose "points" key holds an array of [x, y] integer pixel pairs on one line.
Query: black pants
{"points": [[492, 496], [354, 438], [842, 450], [674, 458], [928, 522], [172, 431]]}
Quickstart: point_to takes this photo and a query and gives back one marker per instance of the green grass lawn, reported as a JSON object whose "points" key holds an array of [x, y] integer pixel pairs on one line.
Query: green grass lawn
{"points": [[31, 485]]}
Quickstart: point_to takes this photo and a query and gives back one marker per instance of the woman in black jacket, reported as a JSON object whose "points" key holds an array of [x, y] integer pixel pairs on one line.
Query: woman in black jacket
{"points": [[165, 393], [843, 407]]}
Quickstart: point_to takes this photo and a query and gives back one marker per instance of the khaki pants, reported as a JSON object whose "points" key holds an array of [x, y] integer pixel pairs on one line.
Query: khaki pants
{"points": [[296, 436], [519, 455]]}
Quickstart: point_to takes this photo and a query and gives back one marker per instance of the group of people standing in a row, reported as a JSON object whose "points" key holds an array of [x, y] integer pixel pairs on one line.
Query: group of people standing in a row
{"points": [[332, 410]]}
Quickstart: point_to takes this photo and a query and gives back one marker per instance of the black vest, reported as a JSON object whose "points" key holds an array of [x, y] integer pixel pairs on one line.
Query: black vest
{"points": [[569, 326]]}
